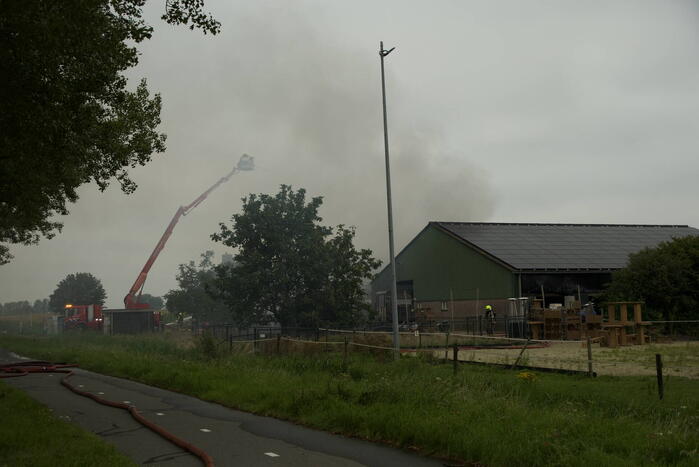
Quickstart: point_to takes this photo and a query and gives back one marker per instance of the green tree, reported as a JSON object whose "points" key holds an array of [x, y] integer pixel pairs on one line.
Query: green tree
{"points": [[666, 278], [348, 268], [40, 306], [68, 117], [17, 308], [81, 288], [191, 298], [289, 268], [155, 303]]}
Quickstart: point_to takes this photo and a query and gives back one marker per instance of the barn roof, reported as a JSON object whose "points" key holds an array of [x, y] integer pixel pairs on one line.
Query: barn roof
{"points": [[562, 247]]}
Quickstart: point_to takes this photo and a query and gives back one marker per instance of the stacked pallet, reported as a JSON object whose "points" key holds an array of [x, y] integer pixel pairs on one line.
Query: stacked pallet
{"points": [[618, 330]]}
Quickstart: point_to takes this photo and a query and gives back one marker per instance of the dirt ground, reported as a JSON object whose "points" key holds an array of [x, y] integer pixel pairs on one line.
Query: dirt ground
{"points": [[679, 358]]}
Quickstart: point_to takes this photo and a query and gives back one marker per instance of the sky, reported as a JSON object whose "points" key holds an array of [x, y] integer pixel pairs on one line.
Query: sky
{"points": [[498, 111]]}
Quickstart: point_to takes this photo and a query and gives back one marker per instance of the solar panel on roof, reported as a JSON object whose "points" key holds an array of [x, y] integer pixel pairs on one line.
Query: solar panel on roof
{"points": [[564, 246]]}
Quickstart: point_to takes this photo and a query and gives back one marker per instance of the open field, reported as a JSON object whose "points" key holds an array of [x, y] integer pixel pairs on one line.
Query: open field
{"points": [[679, 358], [31, 436], [25, 323], [480, 416], [35, 318]]}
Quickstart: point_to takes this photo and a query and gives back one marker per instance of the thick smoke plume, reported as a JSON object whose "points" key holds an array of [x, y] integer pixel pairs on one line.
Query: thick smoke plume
{"points": [[311, 114]]}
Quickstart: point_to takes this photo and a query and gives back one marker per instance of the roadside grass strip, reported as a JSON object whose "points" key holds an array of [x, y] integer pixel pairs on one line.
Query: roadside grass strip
{"points": [[479, 415], [31, 436]]}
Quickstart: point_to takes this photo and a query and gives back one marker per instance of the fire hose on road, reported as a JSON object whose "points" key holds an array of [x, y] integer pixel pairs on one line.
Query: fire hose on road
{"points": [[11, 370]]}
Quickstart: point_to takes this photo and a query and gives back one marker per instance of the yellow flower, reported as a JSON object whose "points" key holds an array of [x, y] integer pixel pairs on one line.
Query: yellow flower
{"points": [[526, 375]]}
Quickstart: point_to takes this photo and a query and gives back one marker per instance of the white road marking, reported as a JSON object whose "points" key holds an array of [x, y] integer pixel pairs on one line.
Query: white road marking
{"points": [[205, 430], [100, 393], [159, 413], [80, 386], [271, 454], [126, 402]]}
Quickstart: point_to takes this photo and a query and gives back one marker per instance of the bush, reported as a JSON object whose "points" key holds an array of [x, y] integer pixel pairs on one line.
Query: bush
{"points": [[207, 346]]}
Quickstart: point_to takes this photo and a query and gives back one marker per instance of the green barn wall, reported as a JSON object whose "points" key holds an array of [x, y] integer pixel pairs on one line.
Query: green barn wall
{"points": [[436, 262]]}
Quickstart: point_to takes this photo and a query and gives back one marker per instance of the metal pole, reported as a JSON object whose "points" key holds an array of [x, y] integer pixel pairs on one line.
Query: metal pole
{"points": [[543, 297], [478, 310], [451, 302], [407, 311], [394, 292]]}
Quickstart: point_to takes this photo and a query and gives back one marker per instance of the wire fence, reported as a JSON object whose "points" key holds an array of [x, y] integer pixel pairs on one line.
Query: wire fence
{"points": [[676, 341], [679, 358]]}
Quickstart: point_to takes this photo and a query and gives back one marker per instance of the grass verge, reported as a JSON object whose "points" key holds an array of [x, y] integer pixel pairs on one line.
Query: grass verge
{"points": [[480, 415], [31, 436]]}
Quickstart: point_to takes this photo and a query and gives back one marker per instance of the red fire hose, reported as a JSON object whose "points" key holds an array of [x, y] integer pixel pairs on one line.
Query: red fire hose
{"points": [[10, 370]]}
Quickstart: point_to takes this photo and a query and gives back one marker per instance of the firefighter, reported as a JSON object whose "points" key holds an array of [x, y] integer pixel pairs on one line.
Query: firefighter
{"points": [[490, 319]]}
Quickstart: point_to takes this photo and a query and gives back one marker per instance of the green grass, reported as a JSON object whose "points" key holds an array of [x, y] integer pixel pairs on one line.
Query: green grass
{"points": [[31, 436], [678, 354], [483, 415]]}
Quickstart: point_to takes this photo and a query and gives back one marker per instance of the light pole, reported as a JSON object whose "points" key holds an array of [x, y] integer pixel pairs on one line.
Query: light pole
{"points": [[394, 292]]}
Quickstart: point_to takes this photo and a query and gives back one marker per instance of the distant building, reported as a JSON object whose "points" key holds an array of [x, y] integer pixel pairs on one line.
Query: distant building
{"points": [[470, 264]]}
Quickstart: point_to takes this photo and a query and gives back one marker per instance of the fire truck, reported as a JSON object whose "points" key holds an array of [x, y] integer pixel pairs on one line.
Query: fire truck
{"points": [[82, 317], [131, 300], [90, 316]]}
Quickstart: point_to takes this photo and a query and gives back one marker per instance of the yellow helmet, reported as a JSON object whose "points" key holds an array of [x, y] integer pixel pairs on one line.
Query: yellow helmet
{"points": [[488, 307]]}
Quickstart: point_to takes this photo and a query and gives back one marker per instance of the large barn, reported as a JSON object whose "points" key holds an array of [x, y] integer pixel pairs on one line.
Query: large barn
{"points": [[455, 268]]}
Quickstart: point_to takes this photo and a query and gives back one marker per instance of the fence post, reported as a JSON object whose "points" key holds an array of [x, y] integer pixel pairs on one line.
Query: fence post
{"points": [[519, 357], [659, 371], [230, 343], [344, 361], [254, 341], [456, 357], [419, 340], [317, 334], [446, 347], [279, 338], [589, 357]]}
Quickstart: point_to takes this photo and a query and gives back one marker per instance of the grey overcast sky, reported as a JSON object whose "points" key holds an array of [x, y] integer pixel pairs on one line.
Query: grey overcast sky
{"points": [[508, 111]]}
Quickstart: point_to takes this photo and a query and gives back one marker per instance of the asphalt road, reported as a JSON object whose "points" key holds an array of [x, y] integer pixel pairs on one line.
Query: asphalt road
{"points": [[230, 437]]}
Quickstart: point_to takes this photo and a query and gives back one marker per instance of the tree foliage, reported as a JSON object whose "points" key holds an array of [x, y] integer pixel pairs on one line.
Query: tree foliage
{"points": [[23, 307], [16, 308], [68, 117], [666, 278], [81, 288], [154, 302], [289, 268], [191, 298]]}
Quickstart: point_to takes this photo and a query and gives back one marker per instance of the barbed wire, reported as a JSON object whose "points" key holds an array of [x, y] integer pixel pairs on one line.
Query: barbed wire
{"points": [[500, 356], [311, 342], [453, 334], [234, 341]]}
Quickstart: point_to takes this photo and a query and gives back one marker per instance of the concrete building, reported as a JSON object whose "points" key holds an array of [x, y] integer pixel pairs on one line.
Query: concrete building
{"points": [[453, 269]]}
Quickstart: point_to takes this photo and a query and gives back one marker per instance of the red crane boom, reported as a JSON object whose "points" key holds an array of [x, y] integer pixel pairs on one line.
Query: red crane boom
{"points": [[131, 300]]}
